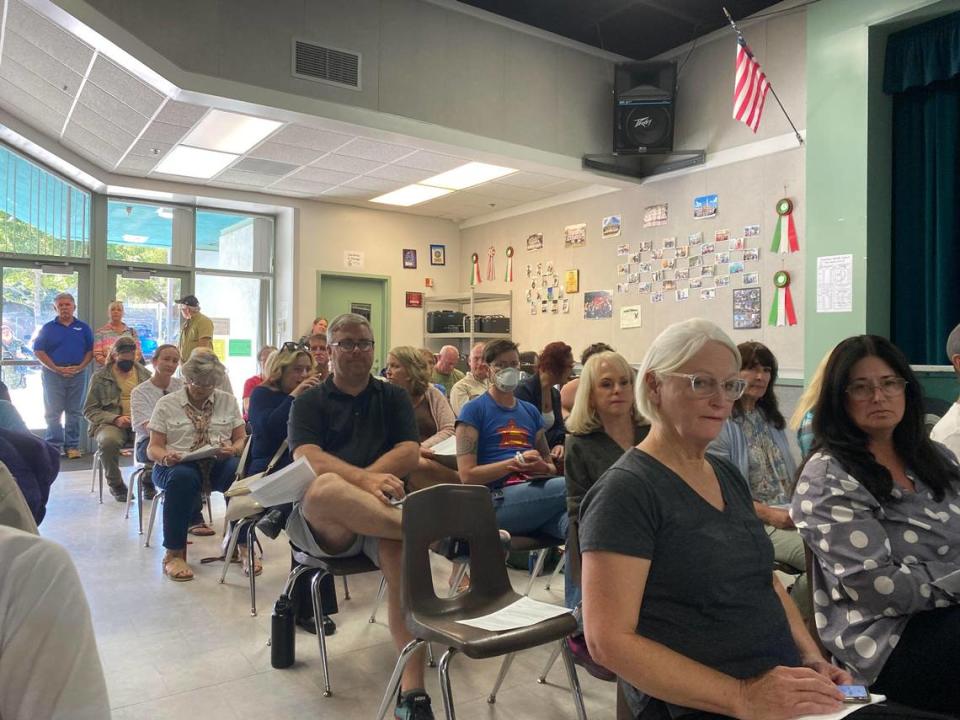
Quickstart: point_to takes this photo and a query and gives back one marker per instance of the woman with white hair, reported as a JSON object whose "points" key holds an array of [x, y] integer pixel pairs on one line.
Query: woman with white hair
{"points": [[679, 595], [184, 421], [107, 335]]}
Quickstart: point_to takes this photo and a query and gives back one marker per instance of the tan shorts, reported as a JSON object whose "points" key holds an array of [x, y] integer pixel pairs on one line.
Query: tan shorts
{"points": [[302, 535]]}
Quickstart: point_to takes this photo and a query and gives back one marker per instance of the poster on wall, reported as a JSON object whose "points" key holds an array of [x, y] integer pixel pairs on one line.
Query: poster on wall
{"points": [[409, 259], [438, 254], [655, 215], [746, 308], [575, 235], [610, 227], [835, 283], [630, 316], [571, 281], [597, 305], [414, 299], [352, 259], [535, 241], [705, 206]]}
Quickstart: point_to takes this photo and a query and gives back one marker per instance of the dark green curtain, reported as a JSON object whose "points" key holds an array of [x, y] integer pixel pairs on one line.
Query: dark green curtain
{"points": [[922, 67]]}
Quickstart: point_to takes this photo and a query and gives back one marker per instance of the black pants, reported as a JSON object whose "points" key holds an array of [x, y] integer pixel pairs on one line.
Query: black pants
{"points": [[924, 669], [303, 604]]}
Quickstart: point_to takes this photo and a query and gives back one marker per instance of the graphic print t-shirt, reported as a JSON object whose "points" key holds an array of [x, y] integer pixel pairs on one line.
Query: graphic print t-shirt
{"points": [[502, 431]]}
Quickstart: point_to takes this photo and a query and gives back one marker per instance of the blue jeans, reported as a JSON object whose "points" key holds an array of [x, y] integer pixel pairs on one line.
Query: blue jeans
{"points": [[63, 396], [181, 483], [533, 507]]}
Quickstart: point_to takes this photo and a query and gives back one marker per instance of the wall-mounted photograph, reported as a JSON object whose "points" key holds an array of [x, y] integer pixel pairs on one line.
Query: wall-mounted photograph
{"points": [[438, 254], [409, 259]]}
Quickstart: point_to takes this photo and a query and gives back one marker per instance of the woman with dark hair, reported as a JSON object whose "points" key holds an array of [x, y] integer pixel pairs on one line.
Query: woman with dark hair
{"points": [[878, 503], [540, 389], [754, 439]]}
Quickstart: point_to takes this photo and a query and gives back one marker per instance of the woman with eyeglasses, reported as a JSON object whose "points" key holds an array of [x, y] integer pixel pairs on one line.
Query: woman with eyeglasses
{"points": [[679, 595], [184, 421], [755, 440], [878, 503], [254, 380]]}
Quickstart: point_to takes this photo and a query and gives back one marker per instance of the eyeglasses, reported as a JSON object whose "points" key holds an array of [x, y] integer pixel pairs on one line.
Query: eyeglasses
{"points": [[294, 347], [890, 387], [351, 345], [705, 386], [202, 386]]}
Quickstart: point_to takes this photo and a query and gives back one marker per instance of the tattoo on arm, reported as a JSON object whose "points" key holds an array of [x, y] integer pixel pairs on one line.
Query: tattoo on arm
{"points": [[541, 444], [467, 441]]}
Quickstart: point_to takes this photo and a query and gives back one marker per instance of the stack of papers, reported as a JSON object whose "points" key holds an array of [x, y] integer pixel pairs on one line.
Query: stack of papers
{"points": [[446, 447], [520, 614], [202, 452], [286, 485]]}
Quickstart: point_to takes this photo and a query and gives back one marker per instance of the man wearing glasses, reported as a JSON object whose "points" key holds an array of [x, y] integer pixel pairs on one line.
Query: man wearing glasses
{"points": [[360, 437]]}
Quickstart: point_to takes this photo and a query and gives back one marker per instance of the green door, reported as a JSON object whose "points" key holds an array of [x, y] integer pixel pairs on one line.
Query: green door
{"points": [[362, 294]]}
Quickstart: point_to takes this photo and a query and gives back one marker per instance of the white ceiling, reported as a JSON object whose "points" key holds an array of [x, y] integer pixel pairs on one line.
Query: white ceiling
{"points": [[64, 87]]}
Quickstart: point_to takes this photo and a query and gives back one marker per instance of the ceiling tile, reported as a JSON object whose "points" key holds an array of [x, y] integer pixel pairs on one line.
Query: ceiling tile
{"points": [[49, 37], [137, 164], [425, 160], [400, 173], [376, 184], [265, 167], [145, 148], [310, 138], [29, 109], [107, 106], [323, 176], [91, 146], [100, 127], [342, 163], [180, 114], [565, 186], [347, 192], [249, 179], [163, 132], [497, 191], [530, 180], [373, 150], [285, 153], [44, 65], [110, 77], [34, 85], [301, 186]]}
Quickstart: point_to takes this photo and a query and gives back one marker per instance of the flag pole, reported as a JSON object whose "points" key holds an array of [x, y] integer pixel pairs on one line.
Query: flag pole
{"points": [[769, 84]]}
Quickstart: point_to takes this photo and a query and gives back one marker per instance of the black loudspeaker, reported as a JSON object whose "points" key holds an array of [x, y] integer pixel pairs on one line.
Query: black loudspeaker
{"points": [[643, 105]]}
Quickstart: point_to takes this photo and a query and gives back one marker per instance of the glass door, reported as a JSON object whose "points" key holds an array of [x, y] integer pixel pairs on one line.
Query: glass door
{"points": [[28, 290], [149, 305]]}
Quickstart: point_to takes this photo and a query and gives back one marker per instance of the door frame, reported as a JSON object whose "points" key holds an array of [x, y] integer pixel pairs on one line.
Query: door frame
{"points": [[384, 281], [184, 276]]}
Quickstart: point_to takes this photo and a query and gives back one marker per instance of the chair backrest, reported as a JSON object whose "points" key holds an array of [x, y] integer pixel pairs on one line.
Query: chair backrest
{"points": [[457, 511]]}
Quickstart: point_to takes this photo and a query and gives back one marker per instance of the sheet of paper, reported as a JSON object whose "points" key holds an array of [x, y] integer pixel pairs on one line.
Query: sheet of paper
{"points": [[286, 485], [847, 709], [835, 284], [522, 613], [446, 447], [204, 451]]}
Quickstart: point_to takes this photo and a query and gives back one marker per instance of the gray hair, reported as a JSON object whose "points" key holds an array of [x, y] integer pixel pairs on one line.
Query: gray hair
{"points": [[346, 320], [64, 295], [674, 347], [953, 344], [204, 368]]}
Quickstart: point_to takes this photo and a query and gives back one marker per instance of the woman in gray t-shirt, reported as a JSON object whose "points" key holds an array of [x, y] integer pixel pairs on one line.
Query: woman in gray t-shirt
{"points": [[679, 595]]}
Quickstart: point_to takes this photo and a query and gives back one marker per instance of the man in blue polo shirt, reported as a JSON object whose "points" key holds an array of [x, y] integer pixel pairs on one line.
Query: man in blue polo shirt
{"points": [[64, 347]]}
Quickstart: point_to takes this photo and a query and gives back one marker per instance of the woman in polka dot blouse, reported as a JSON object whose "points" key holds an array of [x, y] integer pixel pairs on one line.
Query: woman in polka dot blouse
{"points": [[878, 504]]}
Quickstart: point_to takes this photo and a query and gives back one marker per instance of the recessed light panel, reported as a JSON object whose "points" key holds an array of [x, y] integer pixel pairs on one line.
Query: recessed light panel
{"points": [[468, 175], [194, 162], [229, 132], [411, 195]]}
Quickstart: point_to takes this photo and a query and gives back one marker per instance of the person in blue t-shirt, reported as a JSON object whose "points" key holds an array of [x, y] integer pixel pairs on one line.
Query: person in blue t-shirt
{"points": [[64, 347], [501, 444]]}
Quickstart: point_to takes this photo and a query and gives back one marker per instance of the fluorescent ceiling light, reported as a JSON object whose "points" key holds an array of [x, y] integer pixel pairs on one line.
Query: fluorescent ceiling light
{"points": [[135, 238], [194, 162], [411, 195], [229, 132], [468, 175]]}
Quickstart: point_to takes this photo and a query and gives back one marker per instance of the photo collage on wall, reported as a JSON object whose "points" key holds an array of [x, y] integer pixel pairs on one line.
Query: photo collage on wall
{"points": [[546, 290]]}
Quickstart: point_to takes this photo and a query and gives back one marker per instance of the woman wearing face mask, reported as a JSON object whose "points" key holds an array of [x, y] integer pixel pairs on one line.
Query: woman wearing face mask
{"points": [[501, 443], [107, 335], [542, 391], [108, 409]]}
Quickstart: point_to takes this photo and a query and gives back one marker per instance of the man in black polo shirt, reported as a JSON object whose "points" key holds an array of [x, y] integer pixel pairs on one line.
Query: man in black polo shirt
{"points": [[360, 436]]}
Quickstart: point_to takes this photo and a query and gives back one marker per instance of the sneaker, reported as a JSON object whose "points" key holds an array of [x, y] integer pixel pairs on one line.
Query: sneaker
{"points": [[271, 524], [74, 453], [413, 705], [309, 624], [581, 656], [119, 493], [149, 492]]}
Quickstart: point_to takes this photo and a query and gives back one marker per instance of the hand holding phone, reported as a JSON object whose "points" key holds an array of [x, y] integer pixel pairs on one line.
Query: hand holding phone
{"points": [[854, 693]]}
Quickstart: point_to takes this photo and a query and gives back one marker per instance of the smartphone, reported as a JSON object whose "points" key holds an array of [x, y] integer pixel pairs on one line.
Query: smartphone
{"points": [[520, 458], [854, 693]]}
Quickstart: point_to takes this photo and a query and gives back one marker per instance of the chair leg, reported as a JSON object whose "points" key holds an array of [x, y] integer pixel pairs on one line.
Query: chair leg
{"points": [[251, 554], [546, 668], [537, 569], [231, 549], [292, 578], [346, 589], [99, 466], [209, 511], [458, 578], [430, 660], [394, 683], [140, 503], [153, 515], [93, 474], [321, 638], [556, 570], [376, 604], [507, 661], [133, 482], [572, 678], [445, 689]]}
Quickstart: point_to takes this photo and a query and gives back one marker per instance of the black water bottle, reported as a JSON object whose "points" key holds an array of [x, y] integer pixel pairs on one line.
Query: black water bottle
{"points": [[282, 640]]}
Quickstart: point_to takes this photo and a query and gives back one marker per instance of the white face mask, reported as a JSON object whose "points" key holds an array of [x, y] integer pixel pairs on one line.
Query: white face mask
{"points": [[548, 419], [506, 380]]}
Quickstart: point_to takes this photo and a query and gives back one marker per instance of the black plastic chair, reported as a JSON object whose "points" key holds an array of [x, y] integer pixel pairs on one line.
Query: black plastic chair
{"points": [[464, 511]]}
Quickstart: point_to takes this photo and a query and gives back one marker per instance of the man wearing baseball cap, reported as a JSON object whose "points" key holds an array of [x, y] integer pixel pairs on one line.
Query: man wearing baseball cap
{"points": [[196, 330]]}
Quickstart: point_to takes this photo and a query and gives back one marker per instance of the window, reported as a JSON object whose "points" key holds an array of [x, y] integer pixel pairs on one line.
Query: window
{"points": [[40, 213], [139, 233], [234, 242]]}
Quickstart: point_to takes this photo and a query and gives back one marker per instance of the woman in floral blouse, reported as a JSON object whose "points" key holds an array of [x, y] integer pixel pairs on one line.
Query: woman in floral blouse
{"points": [[878, 504]]}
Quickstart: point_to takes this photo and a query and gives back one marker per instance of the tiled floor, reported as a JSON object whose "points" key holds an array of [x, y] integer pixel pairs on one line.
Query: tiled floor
{"points": [[191, 650]]}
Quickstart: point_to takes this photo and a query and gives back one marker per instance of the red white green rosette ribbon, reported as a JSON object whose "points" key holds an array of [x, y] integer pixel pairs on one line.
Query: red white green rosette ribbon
{"points": [[782, 312], [785, 234], [508, 275], [475, 273]]}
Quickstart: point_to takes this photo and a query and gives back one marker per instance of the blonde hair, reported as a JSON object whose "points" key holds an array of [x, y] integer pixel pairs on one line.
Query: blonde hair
{"points": [[280, 360], [115, 304], [584, 418], [413, 362], [674, 347], [810, 394]]}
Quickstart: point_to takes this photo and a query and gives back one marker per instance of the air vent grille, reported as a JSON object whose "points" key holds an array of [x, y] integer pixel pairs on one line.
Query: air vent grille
{"points": [[323, 64]]}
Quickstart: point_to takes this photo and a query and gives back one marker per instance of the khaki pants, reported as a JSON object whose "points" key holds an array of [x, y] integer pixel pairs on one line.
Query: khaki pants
{"points": [[110, 439], [788, 550]]}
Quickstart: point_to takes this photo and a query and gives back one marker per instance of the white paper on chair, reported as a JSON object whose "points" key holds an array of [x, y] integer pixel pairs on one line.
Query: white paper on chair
{"points": [[201, 453], [446, 447], [522, 613], [847, 709], [286, 485]]}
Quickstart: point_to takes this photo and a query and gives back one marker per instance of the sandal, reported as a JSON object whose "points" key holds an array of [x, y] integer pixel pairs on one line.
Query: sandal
{"points": [[201, 530], [257, 565], [176, 569]]}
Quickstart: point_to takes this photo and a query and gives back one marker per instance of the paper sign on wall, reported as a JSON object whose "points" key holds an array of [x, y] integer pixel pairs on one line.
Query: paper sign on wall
{"points": [[240, 348], [835, 284], [220, 348], [352, 259], [221, 326], [630, 316]]}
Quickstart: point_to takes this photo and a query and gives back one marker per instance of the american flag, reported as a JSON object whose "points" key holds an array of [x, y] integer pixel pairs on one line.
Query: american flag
{"points": [[749, 89]]}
